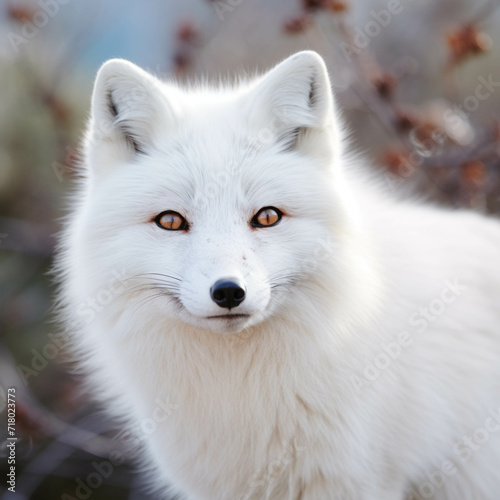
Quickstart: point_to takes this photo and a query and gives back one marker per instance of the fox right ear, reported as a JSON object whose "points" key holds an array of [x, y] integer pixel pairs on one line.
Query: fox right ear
{"points": [[129, 106], [296, 97]]}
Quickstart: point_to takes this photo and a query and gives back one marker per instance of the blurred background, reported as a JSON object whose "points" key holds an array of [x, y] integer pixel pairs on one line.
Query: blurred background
{"points": [[418, 82]]}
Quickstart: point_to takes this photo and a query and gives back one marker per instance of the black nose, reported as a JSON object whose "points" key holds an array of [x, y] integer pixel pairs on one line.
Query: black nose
{"points": [[227, 293]]}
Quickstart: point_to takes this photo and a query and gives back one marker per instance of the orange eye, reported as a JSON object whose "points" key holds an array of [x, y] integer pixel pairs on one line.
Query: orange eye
{"points": [[266, 217], [172, 221]]}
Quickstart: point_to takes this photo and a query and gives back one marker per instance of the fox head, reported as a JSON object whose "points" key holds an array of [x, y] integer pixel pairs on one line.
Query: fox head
{"points": [[219, 207]]}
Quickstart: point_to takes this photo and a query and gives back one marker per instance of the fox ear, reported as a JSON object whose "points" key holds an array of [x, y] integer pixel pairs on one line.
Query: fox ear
{"points": [[128, 108], [297, 96]]}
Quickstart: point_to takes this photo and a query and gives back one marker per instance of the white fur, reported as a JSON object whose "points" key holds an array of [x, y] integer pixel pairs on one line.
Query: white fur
{"points": [[279, 405]]}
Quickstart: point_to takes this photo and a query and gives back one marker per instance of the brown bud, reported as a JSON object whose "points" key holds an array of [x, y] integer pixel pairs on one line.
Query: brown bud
{"points": [[187, 32], [57, 107], [473, 174], [298, 24], [313, 4], [406, 120], [385, 85], [467, 41], [20, 14], [181, 62], [397, 162], [424, 133], [336, 6]]}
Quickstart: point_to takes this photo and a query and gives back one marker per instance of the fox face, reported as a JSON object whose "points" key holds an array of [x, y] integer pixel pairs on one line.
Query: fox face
{"points": [[217, 204]]}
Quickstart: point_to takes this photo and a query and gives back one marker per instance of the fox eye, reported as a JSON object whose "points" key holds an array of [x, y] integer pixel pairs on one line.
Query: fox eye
{"points": [[266, 217], [172, 221]]}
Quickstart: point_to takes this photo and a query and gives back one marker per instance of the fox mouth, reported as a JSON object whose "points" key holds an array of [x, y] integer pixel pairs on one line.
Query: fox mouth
{"points": [[229, 316]]}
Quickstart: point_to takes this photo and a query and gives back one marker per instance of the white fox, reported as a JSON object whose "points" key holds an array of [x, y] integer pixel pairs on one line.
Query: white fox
{"points": [[316, 338]]}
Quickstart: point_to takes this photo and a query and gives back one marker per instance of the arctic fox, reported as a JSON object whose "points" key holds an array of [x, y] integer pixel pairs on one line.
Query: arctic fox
{"points": [[312, 337]]}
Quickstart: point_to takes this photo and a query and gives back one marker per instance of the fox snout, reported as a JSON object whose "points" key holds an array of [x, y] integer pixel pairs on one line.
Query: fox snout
{"points": [[228, 292]]}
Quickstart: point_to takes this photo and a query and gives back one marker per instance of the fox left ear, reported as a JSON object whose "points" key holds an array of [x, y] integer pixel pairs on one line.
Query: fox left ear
{"points": [[129, 106], [296, 97]]}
